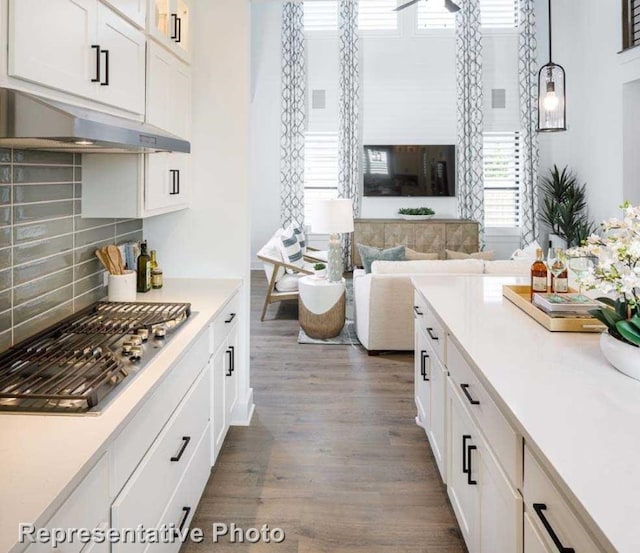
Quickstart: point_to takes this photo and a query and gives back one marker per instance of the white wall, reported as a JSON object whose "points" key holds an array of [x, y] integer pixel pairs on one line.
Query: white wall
{"points": [[212, 239], [602, 107], [408, 95]]}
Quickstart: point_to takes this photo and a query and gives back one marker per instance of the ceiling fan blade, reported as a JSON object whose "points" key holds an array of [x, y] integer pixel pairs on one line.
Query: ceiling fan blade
{"points": [[407, 5], [451, 7]]}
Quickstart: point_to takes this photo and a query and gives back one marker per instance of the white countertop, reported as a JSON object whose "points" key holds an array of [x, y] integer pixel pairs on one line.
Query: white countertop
{"points": [[43, 457], [581, 413]]}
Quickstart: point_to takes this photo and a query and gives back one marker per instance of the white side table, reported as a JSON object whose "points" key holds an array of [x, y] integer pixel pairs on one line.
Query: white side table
{"points": [[321, 307]]}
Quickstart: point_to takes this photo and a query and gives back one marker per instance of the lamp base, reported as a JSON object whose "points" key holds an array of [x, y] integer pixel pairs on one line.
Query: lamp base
{"points": [[334, 258]]}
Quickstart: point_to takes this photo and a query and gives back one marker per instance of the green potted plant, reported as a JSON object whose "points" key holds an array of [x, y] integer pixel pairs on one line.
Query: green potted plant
{"points": [[617, 274], [564, 206], [320, 270], [416, 213]]}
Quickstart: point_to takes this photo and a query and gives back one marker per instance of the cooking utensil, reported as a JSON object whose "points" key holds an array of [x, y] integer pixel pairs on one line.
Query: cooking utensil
{"points": [[116, 259]]}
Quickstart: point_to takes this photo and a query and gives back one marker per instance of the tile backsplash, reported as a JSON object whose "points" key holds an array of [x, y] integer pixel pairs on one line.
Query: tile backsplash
{"points": [[48, 269]]}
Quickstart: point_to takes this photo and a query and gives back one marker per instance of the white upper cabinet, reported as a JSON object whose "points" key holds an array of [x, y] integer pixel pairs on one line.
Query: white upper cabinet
{"points": [[168, 21], [134, 10], [43, 51], [168, 91], [80, 47], [123, 62]]}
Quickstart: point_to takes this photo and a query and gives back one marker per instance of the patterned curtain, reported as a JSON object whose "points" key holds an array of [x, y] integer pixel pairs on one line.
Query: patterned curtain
{"points": [[293, 117], [528, 74], [349, 136], [470, 114]]}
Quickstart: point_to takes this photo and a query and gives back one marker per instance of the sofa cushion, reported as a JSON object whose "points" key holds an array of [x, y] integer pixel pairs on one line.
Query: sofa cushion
{"points": [[290, 248], [369, 254], [487, 256], [437, 266], [287, 283], [520, 267], [413, 255]]}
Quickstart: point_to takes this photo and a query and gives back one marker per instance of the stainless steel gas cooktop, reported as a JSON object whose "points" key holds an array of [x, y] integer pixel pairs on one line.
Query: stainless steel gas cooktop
{"points": [[80, 364]]}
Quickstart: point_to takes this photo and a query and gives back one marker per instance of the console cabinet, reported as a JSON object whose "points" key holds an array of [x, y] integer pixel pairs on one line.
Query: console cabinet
{"points": [[428, 236]]}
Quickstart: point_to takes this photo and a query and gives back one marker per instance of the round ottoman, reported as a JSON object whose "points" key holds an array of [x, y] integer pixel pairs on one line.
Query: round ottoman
{"points": [[321, 307]]}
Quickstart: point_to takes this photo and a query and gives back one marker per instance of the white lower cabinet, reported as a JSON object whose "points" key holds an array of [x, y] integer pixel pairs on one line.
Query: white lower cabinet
{"points": [[533, 541], [421, 379], [438, 427]]}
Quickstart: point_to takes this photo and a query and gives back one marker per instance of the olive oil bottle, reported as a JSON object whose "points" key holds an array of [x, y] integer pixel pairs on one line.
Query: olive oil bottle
{"points": [[144, 269]]}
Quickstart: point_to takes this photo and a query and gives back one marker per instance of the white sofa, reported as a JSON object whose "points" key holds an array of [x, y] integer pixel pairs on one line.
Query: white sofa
{"points": [[384, 298]]}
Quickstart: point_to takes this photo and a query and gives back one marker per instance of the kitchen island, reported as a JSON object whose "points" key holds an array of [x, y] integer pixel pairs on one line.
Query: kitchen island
{"points": [[569, 410], [45, 457]]}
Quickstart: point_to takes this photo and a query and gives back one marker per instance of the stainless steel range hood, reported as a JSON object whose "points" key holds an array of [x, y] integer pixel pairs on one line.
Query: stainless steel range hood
{"points": [[34, 123]]}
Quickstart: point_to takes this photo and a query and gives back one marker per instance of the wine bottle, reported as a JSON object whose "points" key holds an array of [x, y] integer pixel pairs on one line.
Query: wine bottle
{"points": [[538, 274], [560, 283], [156, 272], [144, 269]]}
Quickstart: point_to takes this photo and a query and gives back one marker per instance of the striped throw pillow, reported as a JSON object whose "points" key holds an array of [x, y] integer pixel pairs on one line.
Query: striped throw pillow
{"points": [[298, 230], [290, 248]]}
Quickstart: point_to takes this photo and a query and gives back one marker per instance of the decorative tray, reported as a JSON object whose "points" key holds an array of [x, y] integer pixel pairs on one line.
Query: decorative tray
{"points": [[521, 296]]}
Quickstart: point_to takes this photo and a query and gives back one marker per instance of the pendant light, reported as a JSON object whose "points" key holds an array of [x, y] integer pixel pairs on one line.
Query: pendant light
{"points": [[552, 108]]}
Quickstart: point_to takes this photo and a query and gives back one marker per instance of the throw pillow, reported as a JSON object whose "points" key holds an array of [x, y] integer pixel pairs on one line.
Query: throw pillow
{"points": [[528, 252], [486, 256], [369, 254], [298, 230], [290, 249], [413, 255]]}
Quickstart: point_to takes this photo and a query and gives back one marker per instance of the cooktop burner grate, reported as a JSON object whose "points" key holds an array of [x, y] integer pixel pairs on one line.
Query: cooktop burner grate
{"points": [[73, 365]]}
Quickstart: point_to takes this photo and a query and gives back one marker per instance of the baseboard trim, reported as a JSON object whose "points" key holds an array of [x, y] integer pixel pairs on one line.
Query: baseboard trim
{"points": [[243, 411]]}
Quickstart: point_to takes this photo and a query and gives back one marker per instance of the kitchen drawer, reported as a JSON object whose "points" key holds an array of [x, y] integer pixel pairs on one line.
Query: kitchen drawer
{"points": [[550, 514], [187, 496], [502, 437], [419, 306], [431, 326], [136, 438], [86, 507], [225, 320], [151, 487]]}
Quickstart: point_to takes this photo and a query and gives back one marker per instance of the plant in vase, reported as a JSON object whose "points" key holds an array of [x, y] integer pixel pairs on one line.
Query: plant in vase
{"points": [[320, 270], [416, 212], [617, 274]]}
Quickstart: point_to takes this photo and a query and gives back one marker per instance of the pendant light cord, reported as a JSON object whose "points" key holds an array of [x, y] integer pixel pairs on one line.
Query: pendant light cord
{"points": [[550, 58]]}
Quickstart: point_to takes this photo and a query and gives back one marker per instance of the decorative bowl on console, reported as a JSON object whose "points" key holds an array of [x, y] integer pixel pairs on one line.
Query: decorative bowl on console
{"points": [[416, 213]]}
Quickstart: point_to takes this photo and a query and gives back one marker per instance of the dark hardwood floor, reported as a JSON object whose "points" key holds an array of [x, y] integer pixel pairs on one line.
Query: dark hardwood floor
{"points": [[332, 457]]}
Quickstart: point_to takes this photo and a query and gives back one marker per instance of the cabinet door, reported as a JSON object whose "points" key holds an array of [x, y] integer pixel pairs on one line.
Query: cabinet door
{"points": [[50, 43], [169, 23], [462, 483], [533, 542], [122, 51], [183, 38], [181, 123], [218, 415], [135, 10], [437, 429], [159, 18], [160, 86], [422, 364], [231, 375], [178, 184]]}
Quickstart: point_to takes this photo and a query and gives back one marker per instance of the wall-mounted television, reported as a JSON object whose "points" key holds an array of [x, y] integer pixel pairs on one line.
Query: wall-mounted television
{"points": [[410, 170]]}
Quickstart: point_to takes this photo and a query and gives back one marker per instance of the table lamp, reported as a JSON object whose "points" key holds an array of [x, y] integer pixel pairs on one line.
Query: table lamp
{"points": [[333, 217]]}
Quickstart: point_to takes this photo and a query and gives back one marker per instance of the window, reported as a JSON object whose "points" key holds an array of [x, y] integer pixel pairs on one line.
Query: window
{"points": [[630, 23], [377, 15], [501, 179], [373, 15], [320, 15], [494, 14], [320, 169]]}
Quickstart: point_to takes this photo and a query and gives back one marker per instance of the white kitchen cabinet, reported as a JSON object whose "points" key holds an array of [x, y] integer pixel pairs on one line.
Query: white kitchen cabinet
{"points": [[422, 390], [80, 47], [437, 428], [168, 92], [86, 507], [487, 506], [533, 541], [134, 185], [169, 23], [134, 10]]}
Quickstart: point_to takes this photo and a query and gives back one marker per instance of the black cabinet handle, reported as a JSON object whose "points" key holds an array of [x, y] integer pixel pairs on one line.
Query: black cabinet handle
{"points": [[174, 20], [183, 522], [179, 32], [423, 369], [431, 334], [174, 174], [231, 317], [233, 358], [96, 47], [465, 437], [539, 508], [185, 443], [470, 481], [106, 68], [178, 182], [417, 310], [465, 390]]}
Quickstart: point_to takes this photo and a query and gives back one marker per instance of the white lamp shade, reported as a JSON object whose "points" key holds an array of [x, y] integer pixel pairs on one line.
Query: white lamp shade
{"points": [[332, 216]]}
